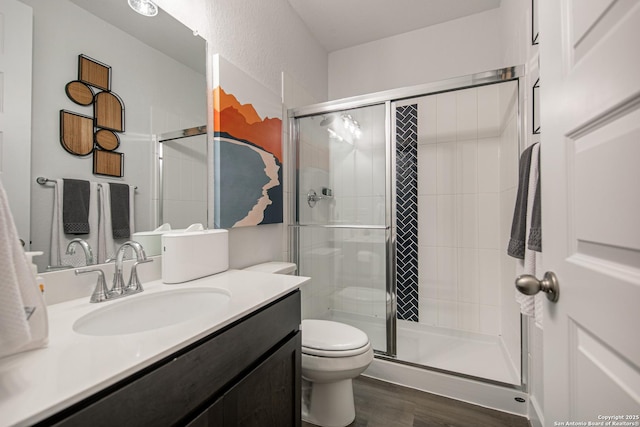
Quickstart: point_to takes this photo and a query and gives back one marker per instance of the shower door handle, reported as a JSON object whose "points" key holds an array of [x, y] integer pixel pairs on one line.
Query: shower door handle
{"points": [[530, 285]]}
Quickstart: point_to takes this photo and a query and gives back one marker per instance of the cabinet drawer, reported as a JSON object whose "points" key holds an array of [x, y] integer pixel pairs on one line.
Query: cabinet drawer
{"points": [[176, 386]]}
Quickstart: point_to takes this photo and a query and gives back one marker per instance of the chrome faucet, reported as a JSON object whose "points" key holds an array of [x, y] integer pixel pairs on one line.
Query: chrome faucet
{"points": [[118, 289], [100, 293], [88, 253], [133, 286]]}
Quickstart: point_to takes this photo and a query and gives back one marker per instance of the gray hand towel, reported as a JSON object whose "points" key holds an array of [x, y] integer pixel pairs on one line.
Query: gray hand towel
{"points": [[519, 225], [75, 207], [120, 211], [535, 233]]}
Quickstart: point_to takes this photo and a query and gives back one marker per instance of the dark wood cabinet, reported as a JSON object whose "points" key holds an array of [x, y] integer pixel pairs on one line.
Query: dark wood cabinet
{"points": [[267, 396], [247, 374], [210, 417]]}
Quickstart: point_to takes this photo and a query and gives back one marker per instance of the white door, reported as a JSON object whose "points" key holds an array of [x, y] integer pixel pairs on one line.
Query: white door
{"points": [[16, 32], [590, 153]]}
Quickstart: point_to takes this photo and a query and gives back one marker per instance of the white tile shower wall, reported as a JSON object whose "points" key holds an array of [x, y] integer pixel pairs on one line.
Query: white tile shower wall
{"points": [[357, 181], [293, 95], [184, 198], [355, 172], [461, 157], [316, 258]]}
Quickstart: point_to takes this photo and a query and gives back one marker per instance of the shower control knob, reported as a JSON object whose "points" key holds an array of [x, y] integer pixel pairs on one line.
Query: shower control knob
{"points": [[530, 285], [312, 198]]}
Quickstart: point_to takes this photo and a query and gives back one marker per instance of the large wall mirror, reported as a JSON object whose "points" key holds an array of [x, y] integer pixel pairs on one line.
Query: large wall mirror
{"points": [[159, 71]]}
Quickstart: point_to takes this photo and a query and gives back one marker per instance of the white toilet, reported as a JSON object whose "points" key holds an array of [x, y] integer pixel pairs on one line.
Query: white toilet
{"points": [[332, 355]]}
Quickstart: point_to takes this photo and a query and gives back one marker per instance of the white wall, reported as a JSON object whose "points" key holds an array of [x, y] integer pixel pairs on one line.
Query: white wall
{"points": [[143, 77], [464, 46], [515, 31], [264, 39]]}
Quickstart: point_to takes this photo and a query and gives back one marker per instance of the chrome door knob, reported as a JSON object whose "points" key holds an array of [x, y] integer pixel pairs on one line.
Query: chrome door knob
{"points": [[530, 285]]}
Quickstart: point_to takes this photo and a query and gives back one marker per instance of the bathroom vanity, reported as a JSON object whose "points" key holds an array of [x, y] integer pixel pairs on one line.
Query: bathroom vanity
{"points": [[238, 366]]}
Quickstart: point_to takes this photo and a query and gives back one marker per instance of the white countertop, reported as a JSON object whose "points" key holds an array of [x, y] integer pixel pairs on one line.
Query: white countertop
{"points": [[37, 384]]}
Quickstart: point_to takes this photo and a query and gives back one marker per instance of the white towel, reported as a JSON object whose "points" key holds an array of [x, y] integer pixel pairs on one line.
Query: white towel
{"points": [[60, 240], [531, 305], [107, 245], [19, 291]]}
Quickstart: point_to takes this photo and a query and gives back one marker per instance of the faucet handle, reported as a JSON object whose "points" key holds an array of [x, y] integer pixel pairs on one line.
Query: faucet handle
{"points": [[100, 293], [134, 286]]}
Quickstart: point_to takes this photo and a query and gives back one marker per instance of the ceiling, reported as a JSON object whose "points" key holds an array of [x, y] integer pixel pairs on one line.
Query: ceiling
{"points": [[338, 24], [162, 32]]}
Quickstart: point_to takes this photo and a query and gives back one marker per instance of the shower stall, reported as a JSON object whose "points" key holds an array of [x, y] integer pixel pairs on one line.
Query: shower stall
{"points": [[401, 213]]}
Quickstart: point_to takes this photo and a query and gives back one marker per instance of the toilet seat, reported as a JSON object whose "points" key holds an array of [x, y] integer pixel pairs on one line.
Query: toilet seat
{"points": [[340, 353], [325, 338]]}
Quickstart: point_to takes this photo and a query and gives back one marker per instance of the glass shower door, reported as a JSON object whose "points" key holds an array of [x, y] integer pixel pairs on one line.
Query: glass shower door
{"points": [[341, 232]]}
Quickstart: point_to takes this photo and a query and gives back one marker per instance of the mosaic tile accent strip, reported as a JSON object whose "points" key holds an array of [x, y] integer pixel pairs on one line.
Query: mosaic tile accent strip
{"points": [[407, 211]]}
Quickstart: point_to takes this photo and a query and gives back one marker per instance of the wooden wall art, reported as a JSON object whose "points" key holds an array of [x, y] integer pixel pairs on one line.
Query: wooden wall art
{"points": [[108, 111], [82, 135], [108, 163], [79, 92], [94, 73], [107, 140], [76, 133]]}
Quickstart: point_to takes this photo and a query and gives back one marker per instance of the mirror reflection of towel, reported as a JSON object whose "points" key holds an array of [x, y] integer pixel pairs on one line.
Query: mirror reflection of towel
{"points": [[60, 240], [75, 207], [120, 211], [107, 244]]}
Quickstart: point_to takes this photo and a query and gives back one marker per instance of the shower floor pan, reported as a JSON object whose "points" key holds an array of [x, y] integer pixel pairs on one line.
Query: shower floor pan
{"points": [[467, 353]]}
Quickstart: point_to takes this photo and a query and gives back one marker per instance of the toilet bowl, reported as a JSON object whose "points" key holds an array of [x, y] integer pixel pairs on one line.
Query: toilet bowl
{"points": [[333, 354]]}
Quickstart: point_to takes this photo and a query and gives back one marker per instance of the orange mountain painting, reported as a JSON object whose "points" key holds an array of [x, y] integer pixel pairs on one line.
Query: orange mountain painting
{"points": [[243, 122], [248, 160]]}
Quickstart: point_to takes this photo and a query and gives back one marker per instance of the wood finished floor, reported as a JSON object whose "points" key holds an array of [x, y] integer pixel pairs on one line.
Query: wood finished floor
{"points": [[381, 404]]}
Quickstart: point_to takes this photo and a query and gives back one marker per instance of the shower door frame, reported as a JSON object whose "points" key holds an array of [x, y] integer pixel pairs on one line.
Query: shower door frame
{"points": [[389, 99]]}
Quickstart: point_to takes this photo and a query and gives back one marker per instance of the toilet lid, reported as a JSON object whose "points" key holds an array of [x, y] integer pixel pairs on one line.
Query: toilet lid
{"points": [[327, 336]]}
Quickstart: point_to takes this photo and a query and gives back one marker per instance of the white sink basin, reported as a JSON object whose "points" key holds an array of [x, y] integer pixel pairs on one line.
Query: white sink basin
{"points": [[152, 311]]}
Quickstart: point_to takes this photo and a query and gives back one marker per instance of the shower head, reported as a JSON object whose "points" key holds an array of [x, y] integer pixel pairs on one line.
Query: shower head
{"points": [[327, 120]]}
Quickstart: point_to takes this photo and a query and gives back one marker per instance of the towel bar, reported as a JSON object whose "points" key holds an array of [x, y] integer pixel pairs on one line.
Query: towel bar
{"points": [[42, 181]]}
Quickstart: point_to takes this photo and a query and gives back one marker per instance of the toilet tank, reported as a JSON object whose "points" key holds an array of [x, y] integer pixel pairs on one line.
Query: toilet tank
{"points": [[274, 267]]}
